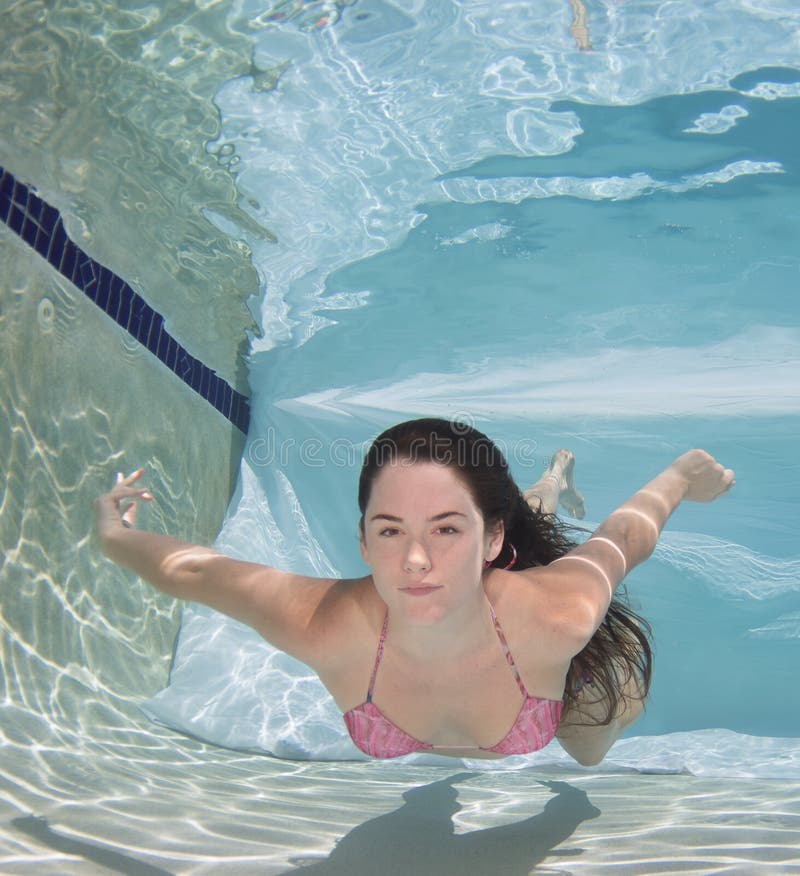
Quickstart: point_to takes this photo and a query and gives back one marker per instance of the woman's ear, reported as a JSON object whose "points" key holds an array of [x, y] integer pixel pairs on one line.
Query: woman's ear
{"points": [[362, 543], [494, 541]]}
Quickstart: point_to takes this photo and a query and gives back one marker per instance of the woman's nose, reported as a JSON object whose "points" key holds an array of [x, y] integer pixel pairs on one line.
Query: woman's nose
{"points": [[417, 558]]}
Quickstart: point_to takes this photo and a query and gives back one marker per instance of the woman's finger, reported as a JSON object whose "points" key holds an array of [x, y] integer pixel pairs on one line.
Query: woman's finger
{"points": [[124, 492], [124, 486], [128, 515], [131, 478], [122, 501]]}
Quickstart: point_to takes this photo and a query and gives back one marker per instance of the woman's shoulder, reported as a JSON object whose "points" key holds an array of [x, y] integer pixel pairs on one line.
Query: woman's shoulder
{"points": [[347, 629], [515, 591], [528, 604], [353, 595], [542, 646], [349, 614]]}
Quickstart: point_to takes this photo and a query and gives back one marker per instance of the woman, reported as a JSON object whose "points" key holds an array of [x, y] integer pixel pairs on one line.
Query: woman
{"points": [[479, 614]]}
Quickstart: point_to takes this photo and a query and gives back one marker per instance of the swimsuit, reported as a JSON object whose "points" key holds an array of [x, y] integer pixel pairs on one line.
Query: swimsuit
{"points": [[377, 736]]}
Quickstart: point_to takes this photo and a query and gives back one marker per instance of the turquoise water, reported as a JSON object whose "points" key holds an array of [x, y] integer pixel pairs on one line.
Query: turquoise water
{"points": [[592, 249], [451, 209]]}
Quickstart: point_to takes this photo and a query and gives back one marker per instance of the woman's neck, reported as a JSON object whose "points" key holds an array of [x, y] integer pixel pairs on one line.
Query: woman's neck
{"points": [[460, 631]]}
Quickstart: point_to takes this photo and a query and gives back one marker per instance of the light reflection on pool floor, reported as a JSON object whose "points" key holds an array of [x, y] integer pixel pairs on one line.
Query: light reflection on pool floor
{"points": [[186, 808]]}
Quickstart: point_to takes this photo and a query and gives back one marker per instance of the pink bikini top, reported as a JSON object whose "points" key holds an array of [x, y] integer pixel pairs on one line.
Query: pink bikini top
{"points": [[377, 736]]}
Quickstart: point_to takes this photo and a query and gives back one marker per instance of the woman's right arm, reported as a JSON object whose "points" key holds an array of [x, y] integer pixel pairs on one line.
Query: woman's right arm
{"points": [[284, 608]]}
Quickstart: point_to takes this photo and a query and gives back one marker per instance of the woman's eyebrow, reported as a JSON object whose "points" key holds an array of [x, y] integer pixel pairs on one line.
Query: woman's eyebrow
{"points": [[435, 519]]}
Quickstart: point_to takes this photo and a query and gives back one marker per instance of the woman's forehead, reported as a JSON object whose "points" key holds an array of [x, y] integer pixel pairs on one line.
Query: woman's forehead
{"points": [[422, 484]]}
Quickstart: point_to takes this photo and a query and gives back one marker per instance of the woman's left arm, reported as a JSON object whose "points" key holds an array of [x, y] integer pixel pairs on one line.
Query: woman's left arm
{"points": [[584, 580]]}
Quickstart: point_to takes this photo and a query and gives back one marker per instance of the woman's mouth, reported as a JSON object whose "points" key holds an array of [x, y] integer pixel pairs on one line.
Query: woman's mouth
{"points": [[420, 589]]}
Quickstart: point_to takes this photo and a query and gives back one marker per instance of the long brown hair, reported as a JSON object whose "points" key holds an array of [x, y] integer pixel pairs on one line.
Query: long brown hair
{"points": [[619, 651]]}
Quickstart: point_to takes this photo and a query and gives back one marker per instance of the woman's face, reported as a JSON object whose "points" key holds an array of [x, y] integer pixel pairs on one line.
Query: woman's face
{"points": [[424, 539]]}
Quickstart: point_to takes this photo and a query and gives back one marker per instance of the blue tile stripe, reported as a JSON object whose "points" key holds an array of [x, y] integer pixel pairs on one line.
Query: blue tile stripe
{"points": [[42, 228]]}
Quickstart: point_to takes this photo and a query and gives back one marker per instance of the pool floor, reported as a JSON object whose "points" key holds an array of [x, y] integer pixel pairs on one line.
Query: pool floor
{"points": [[173, 805]]}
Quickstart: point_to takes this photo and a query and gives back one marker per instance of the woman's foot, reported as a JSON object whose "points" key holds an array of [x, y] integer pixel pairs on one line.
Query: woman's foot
{"points": [[562, 468], [555, 487]]}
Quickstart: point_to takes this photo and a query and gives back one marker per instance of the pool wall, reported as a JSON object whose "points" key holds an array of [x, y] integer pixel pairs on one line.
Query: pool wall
{"points": [[83, 397]]}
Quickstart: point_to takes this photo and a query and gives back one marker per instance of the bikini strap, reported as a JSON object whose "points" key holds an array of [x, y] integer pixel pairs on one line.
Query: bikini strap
{"points": [[507, 651], [378, 656], [500, 635]]}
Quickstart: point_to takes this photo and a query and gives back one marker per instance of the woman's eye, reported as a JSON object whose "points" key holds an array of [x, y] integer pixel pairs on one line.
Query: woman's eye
{"points": [[447, 530], [388, 531]]}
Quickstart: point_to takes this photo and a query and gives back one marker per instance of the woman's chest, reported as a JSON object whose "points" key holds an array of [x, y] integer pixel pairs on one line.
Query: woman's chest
{"points": [[473, 703]]}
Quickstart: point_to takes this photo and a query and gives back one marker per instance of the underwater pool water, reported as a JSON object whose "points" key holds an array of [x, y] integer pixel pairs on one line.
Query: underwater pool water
{"points": [[475, 219], [453, 209]]}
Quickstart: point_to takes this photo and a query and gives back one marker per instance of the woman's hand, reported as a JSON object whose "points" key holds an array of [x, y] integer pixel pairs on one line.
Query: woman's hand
{"points": [[705, 478], [288, 610], [118, 508]]}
